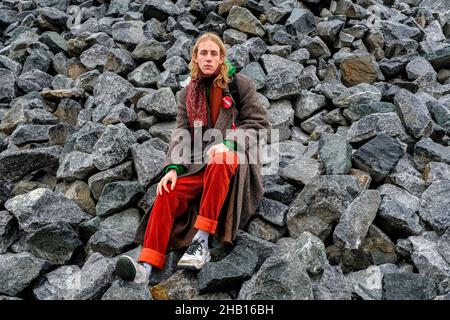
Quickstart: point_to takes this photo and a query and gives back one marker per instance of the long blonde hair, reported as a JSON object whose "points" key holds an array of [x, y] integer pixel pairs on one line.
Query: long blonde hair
{"points": [[222, 78]]}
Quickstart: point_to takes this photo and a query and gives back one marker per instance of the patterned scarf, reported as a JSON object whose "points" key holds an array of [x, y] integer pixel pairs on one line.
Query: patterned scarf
{"points": [[196, 99]]}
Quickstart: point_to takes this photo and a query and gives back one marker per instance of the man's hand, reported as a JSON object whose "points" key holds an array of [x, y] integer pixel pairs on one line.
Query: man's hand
{"points": [[170, 176], [217, 148]]}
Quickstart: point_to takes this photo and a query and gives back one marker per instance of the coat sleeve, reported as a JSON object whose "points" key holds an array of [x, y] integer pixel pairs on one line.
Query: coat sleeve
{"points": [[252, 119], [182, 125]]}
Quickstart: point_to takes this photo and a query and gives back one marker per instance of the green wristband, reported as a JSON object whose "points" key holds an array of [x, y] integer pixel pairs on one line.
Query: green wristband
{"points": [[179, 168], [230, 144]]}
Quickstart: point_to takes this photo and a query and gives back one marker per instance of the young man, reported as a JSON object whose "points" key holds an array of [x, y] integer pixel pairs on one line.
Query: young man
{"points": [[216, 196]]}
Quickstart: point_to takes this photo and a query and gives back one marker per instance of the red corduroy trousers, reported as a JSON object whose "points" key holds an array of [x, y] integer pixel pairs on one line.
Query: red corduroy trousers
{"points": [[213, 184]]}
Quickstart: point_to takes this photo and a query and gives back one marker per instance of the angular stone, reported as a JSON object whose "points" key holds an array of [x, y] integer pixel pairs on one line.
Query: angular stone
{"points": [[112, 89], [76, 166], [307, 103], [128, 32], [301, 21], [126, 290], [29, 133], [408, 286], [147, 161], [336, 153], [160, 9], [181, 285], [368, 284], [7, 79], [149, 50], [310, 250], [301, 171], [273, 211], [282, 276], [34, 80], [358, 111], [265, 230], [418, 67], [316, 47], [73, 283], [120, 114], [145, 75], [435, 205], [357, 69], [228, 273], [113, 146], [378, 156], [282, 84], [243, 20], [398, 212], [411, 183], [121, 172], [426, 150], [357, 95], [117, 196], [395, 30], [55, 242], [8, 230], [356, 220], [439, 58], [262, 248], [160, 103], [320, 203], [332, 285], [427, 259], [42, 206], [17, 271], [413, 113], [79, 192], [435, 171]]}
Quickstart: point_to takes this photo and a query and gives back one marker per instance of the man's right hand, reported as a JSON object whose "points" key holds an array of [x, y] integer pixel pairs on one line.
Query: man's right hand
{"points": [[170, 176]]}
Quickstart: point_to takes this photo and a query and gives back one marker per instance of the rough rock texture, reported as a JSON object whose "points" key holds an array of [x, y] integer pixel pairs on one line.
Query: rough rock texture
{"points": [[356, 171]]}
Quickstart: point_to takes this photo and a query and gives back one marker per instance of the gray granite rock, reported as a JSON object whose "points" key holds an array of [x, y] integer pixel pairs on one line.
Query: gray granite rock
{"points": [[112, 89], [320, 203], [243, 20], [145, 75], [74, 283], [426, 150], [18, 271], [55, 242], [76, 166], [113, 146], [398, 212], [117, 196], [42, 206], [228, 273], [332, 285], [15, 164], [356, 220], [413, 113], [336, 154], [147, 161], [273, 211], [434, 206], [301, 170], [125, 290], [282, 276], [378, 156], [368, 284], [121, 172], [262, 248], [408, 286], [8, 230]]}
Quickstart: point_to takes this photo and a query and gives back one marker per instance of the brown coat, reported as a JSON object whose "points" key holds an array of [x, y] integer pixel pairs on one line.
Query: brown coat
{"points": [[246, 187]]}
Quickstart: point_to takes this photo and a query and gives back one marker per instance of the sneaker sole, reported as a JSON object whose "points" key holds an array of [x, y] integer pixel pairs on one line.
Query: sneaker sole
{"points": [[125, 268], [194, 266]]}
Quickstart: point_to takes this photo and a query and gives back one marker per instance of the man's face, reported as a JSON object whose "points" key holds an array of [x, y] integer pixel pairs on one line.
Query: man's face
{"points": [[208, 57]]}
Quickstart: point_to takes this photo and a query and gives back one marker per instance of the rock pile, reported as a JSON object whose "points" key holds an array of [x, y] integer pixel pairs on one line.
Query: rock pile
{"points": [[357, 208]]}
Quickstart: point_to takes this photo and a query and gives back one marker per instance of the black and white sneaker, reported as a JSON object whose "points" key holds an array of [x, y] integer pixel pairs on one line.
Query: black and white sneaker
{"points": [[196, 255], [130, 270]]}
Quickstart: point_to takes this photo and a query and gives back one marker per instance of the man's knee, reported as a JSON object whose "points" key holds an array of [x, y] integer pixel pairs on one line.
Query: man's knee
{"points": [[224, 160]]}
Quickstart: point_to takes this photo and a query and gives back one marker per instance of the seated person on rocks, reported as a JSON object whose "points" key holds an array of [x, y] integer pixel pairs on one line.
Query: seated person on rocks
{"points": [[198, 198]]}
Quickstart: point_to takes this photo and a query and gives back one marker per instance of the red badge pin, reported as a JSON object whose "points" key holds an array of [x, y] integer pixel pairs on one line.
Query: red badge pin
{"points": [[227, 102], [233, 126]]}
